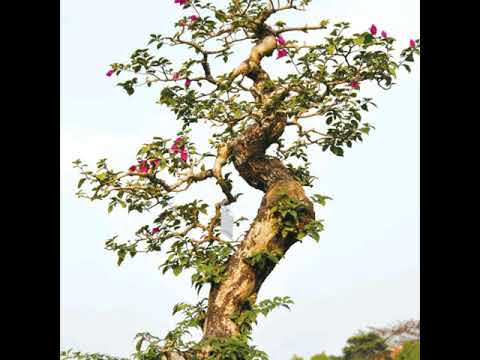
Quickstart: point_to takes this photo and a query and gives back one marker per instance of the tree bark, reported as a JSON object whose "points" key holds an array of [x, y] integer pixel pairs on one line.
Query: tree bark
{"points": [[241, 280]]}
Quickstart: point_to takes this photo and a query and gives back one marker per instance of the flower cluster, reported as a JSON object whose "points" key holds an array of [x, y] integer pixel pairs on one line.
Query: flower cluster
{"points": [[281, 52], [178, 147], [193, 19], [373, 31], [176, 77], [144, 166]]}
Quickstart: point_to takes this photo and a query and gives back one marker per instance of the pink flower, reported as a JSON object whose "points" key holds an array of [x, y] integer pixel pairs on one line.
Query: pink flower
{"points": [[182, 23], [110, 72], [384, 34], [355, 85], [413, 43], [155, 162], [180, 149], [373, 29], [176, 76], [155, 230], [184, 155], [281, 40], [194, 18], [142, 167], [132, 168], [187, 83], [175, 147], [181, 2], [281, 53]]}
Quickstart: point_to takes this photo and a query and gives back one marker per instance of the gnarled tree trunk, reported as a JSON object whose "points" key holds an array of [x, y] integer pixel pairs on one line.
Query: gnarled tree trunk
{"points": [[242, 281]]}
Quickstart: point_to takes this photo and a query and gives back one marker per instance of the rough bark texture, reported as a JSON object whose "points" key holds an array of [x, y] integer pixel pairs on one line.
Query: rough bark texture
{"points": [[241, 280]]}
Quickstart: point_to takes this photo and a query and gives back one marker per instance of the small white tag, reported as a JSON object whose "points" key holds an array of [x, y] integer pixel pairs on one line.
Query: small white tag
{"points": [[226, 222]]}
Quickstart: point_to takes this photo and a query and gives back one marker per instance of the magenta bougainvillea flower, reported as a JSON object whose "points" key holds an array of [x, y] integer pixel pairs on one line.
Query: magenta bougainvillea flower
{"points": [[132, 168], [384, 34], [175, 147], [413, 43], [176, 76], [178, 148], [155, 230], [281, 53], [194, 18], [355, 85], [181, 2], [187, 83], [110, 72], [155, 162], [281, 40], [142, 166], [373, 29], [184, 155]]}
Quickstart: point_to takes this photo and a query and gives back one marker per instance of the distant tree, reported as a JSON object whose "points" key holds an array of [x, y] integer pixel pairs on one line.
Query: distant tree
{"points": [[410, 351], [399, 333], [366, 346], [321, 356]]}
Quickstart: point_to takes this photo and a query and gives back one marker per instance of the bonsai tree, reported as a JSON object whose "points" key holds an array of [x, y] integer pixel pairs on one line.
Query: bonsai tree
{"points": [[262, 124]]}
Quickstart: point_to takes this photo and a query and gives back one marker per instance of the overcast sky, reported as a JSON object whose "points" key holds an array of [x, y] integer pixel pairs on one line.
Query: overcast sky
{"points": [[365, 270]]}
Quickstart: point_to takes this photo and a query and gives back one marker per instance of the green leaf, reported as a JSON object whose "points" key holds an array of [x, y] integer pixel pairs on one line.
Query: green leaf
{"points": [[121, 256], [330, 49], [80, 183], [336, 150], [359, 41], [220, 15], [321, 199], [138, 346]]}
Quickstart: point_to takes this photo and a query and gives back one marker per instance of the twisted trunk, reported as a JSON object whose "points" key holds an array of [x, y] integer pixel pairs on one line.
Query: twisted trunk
{"points": [[242, 281]]}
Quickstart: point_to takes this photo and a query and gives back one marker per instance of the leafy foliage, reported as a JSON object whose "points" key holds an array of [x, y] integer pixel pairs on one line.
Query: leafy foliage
{"points": [[290, 213], [410, 351], [366, 346], [247, 317], [234, 348], [76, 355]]}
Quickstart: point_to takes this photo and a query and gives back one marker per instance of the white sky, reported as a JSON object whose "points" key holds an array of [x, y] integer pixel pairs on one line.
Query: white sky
{"points": [[364, 271]]}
